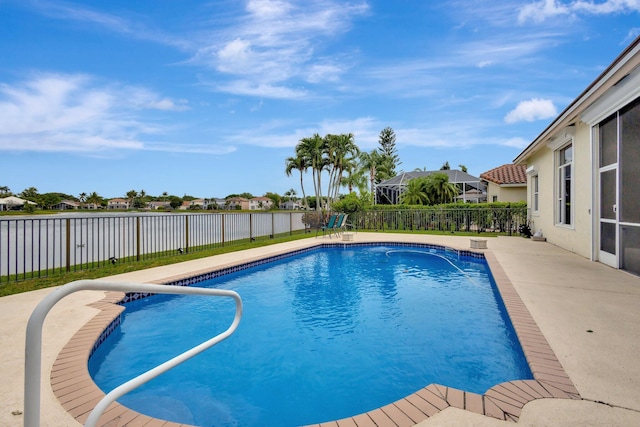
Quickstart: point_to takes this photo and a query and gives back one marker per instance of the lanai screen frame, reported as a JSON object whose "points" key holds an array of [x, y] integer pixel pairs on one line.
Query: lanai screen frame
{"points": [[391, 189]]}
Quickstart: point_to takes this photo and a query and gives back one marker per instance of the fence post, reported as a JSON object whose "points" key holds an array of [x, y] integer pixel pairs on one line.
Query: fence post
{"points": [[250, 227], [186, 233], [222, 231], [273, 225], [290, 223], [137, 238], [68, 245]]}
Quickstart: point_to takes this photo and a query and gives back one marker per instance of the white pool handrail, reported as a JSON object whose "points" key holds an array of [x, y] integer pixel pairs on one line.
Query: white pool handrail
{"points": [[33, 347]]}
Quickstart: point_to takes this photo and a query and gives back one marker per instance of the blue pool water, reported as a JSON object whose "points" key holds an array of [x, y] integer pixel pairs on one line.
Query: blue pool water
{"points": [[326, 334]]}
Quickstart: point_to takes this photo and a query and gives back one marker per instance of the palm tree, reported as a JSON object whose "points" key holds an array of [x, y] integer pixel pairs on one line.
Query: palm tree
{"points": [[141, 202], [355, 177], [312, 151], [164, 196], [131, 195], [440, 189], [5, 191], [298, 163], [371, 161], [415, 193], [94, 199], [341, 152], [82, 197]]}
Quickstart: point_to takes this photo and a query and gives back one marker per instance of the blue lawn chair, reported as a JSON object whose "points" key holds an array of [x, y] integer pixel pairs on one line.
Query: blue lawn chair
{"points": [[337, 225], [329, 225], [342, 224]]}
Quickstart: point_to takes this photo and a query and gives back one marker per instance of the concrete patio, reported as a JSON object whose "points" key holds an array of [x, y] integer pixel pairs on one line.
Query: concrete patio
{"points": [[588, 312]]}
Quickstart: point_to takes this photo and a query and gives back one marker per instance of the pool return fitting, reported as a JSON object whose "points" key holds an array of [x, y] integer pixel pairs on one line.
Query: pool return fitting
{"points": [[33, 347]]}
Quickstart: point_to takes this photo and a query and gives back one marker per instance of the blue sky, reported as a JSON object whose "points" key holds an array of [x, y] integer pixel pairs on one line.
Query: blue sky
{"points": [[209, 98]]}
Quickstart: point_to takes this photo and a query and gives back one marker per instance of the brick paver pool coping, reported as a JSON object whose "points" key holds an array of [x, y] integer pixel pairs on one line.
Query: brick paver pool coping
{"points": [[78, 394]]}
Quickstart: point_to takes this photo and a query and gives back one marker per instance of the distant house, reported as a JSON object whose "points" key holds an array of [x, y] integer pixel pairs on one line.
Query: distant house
{"points": [[260, 203], [470, 187], [290, 205], [506, 183], [118, 204], [214, 203], [192, 204], [13, 203], [66, 205], [155, 205], [237, 203], [584, 169]]}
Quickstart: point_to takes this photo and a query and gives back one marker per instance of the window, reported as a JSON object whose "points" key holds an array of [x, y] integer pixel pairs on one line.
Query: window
{"points": [[565, 194], [534, 193], [494, 198]]}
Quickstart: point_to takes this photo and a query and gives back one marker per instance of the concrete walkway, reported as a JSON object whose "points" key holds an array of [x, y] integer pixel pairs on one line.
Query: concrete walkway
{"points": [[588, 312]]}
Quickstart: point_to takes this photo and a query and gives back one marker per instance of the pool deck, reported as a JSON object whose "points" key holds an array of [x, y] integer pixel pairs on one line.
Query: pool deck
{"points": [[588, 314]]}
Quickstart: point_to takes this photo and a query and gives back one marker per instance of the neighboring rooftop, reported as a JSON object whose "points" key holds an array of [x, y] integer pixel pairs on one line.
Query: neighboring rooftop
{"points": [[508, 174]]}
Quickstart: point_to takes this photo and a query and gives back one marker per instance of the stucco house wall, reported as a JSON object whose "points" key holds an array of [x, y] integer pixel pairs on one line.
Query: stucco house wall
{"points": [[506, 193], [602, 127], [576, 237]]}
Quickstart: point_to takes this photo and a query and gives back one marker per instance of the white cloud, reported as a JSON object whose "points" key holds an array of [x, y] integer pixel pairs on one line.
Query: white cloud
{"points": [[264, 90], [96, 19], [632, 34], [515, 142], [318, 73], [275, 42], [534, 109], [277, 134], [58, 112], [167, 104], [541, 10], [268, 8]]}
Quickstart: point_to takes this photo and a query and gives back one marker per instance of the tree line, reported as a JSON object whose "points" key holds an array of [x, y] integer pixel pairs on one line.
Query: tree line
{"points": [[339, 159], [136, 199]]}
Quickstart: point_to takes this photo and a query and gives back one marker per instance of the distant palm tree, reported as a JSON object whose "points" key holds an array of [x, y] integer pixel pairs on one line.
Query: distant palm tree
{"points": [[94, 199], [164, 196], [341, 152], [297, 163], [131, 196], [30, 193], [355, 177], [415, 193], [440, 190], [312, 151], [372, 162]]}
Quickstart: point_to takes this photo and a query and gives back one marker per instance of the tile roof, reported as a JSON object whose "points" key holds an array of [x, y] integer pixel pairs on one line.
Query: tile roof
{"points": [[506, 174]]}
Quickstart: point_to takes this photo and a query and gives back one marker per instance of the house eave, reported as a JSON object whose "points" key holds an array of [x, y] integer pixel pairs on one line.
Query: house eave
{"points": [[618, 69]]}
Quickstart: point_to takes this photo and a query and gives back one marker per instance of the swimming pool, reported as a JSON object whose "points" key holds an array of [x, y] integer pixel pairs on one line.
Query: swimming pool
{"points": [[382, 322]]}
